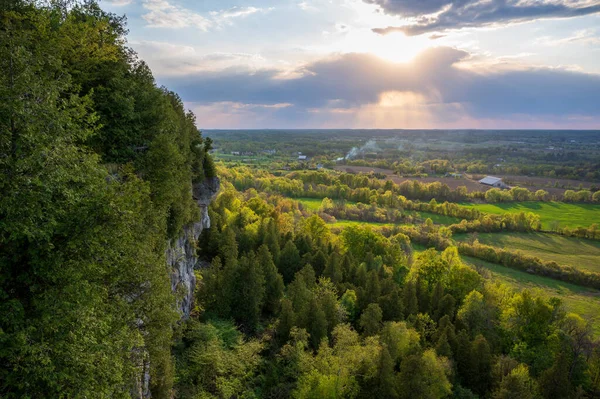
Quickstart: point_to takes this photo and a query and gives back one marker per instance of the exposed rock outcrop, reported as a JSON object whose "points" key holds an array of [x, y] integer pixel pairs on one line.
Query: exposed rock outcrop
{"points": [[182, 259], [181, 254]]}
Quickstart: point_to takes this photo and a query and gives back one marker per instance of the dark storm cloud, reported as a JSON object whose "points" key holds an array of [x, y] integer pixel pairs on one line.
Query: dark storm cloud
{"points": [[353, 80], [456, 14]]}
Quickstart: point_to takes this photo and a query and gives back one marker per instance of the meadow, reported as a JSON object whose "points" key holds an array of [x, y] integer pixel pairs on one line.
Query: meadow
{"points": [[313, 204], [579, 253], [568, 215]]}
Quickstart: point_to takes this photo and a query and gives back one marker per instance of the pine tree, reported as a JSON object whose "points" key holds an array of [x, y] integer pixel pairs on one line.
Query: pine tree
{"points": [[371, 319], [480, 366], [446, 307], [273, 281], [442, 347], [317, 324], [247, 292], [319, 262], [436, 297], [409, 298], [287, 320], [373, 287], [386, 378], [333, 269], [289, 262]]}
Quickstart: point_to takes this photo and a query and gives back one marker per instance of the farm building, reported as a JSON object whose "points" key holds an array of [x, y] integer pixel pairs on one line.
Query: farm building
{"points": [[302, 157], [493, 182]]}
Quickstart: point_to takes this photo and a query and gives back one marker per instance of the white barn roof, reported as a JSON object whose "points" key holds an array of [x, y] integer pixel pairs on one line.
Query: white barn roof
{"points": [[490, 180]]}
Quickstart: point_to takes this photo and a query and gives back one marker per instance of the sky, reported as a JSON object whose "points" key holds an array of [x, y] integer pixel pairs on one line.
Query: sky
{"points": [[413, 64]]}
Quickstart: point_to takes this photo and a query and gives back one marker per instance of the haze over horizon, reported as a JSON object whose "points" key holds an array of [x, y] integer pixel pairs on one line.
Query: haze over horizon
{"points": [[400, 64]]}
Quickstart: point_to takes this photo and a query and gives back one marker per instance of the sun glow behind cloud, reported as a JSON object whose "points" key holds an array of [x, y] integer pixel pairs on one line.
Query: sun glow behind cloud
{"points": [[319, 63], [394, 47]]}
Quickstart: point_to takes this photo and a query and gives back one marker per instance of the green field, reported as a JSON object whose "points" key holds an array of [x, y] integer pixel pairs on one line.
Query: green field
{"points": [[435, 218], [579, 253], [313, 204], [583, 301], [347, 223], [568, 215]]}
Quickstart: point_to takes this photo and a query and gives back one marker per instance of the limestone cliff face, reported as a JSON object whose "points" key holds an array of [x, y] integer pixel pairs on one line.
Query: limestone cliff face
{"points": [[181, 254], [182, 260]]}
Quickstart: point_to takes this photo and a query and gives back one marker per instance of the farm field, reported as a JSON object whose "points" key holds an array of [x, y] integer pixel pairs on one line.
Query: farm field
{"points": [[435, 218], [453, 183], [313, 204], [579, 253], [340, 224], [568, 215], [583, 301]]}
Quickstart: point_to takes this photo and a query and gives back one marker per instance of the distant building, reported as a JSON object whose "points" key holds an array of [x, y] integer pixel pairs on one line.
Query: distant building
{"points": [[302, 157], [493, 182], [319, 166], [235, 153]]}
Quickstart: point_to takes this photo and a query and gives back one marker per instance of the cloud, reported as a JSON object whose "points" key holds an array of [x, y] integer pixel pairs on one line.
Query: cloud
{"points": [[441, 15], [119, 3], [168, 59], [162, 14], [435, 90], [586, 37]]}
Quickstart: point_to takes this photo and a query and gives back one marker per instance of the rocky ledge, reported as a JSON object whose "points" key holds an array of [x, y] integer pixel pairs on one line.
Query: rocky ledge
{"points": [[181, 253]]}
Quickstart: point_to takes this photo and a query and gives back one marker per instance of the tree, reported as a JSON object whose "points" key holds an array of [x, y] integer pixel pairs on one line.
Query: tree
{"points": [[480, 366], [409, 298], [289, 262], [517, 384], [273, 281], [473, 312], [85, 292], [317, 324], [424, 376], [247, 292], [349, 303], [370, 320], [386, 378], [287, 320]]}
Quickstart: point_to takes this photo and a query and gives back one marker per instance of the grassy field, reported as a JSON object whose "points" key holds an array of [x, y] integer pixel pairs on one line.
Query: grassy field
{"points": [[313, 204], [568, 215], [435, 218], [580, 253], [583, 301], [347, 223]]}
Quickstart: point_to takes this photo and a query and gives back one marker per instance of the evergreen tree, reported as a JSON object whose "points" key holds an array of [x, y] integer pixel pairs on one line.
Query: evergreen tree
{"points": [[289, 262], [409, 298], [480, 366], [386, 378], [333, 269], [317, 324], [287, 320], [273, 281], [517, 385], [371, 319], [247, 292]]}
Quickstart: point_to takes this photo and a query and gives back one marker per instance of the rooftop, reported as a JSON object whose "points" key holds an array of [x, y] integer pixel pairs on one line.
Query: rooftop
{"points": [[491, 180]]}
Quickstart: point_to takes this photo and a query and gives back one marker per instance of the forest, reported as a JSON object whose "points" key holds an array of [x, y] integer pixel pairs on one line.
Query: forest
{"points": [[313, 282]]}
